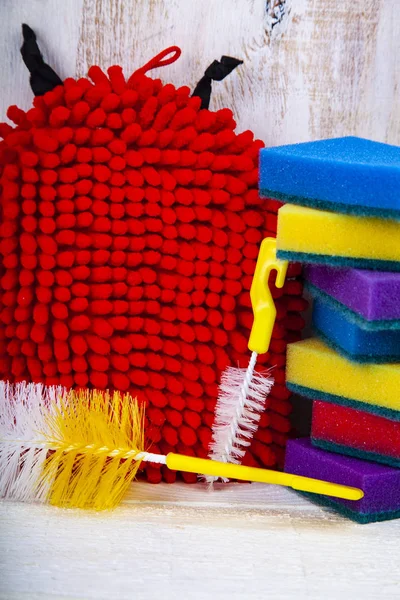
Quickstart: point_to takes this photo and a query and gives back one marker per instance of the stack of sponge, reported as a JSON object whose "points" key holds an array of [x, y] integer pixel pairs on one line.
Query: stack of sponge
{"points": [[343, 222]]}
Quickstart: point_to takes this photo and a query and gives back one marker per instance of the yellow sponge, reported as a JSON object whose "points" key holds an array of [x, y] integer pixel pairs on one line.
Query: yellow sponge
{"points": [[315, 370], [309, 235]]}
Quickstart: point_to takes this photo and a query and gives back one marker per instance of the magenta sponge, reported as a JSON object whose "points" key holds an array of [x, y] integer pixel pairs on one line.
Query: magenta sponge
{"points": [[380, 483]]}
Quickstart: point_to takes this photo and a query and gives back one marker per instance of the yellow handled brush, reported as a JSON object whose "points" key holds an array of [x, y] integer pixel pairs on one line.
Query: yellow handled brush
{"points": [[83, 449], [243, 392]]}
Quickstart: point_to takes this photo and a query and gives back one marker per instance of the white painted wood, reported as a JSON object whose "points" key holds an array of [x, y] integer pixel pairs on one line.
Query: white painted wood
{"points": [[328, 68], [244, 541], [57, 26]]}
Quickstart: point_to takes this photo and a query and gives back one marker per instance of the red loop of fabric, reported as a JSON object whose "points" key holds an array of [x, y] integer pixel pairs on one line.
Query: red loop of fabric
{"points": [[160, 59]]}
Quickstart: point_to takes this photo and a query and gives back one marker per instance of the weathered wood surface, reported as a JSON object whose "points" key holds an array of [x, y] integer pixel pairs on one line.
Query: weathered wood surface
{"points": [[180, 542], [312, 68]]}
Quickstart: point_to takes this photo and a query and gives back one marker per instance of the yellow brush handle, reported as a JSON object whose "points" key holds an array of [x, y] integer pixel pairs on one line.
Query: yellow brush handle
{"points": [[190, 464], [262, 301]]}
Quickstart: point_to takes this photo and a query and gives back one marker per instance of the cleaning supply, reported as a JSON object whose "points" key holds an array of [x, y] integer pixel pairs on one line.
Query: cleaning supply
{"points": [[316, 371], [380, 483], [344, 212], [349, 175], [338, 240], [130, 224], [352, 341], [243, 392], [355, 432], [369, 298], [83, 449]]}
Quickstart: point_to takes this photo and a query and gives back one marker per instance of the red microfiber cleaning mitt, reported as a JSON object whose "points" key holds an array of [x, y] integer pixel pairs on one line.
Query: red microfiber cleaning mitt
{"points": [[130, 227]]}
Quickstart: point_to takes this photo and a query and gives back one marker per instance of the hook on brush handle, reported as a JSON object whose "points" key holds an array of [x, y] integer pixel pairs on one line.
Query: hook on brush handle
{"points": [[190, 464], [262, 301]]}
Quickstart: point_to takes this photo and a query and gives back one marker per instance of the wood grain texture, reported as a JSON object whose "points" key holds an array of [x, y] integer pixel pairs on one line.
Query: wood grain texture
{"points": [[312, 68], [57, 26], [244, 541]]}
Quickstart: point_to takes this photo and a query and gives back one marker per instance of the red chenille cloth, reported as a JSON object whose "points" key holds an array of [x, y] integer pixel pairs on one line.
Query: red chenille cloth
{"points": [[130, 228]]}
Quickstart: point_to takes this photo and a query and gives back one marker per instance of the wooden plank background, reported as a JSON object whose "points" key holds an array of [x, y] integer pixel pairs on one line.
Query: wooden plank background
{"points": [[177, 542], [312, 68]]}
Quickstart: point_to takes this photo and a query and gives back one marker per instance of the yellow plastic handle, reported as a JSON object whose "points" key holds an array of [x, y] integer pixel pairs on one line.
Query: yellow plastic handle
{"points": [[261, 298], [190, 464]]}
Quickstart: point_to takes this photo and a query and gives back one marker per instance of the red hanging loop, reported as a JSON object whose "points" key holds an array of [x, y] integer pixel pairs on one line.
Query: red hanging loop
{"points": [[160, 59]]}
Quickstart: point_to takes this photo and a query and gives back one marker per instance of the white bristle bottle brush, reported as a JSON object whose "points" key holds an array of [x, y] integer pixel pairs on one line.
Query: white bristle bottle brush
{"points": [[243, 392], [83, 448], [23, 449]]}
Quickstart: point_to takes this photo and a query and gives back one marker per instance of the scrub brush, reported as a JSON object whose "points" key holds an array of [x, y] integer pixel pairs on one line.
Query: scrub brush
{"points": [[83, 448], [243, 392]]}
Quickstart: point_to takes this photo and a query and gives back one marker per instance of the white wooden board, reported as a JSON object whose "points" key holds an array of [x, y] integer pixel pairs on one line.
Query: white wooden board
{"points": [[312, 68], [181, 542]]}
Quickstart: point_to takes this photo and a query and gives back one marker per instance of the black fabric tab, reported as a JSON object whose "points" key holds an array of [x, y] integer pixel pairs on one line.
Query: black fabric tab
{"points": [[217, 71], [43, 78]]}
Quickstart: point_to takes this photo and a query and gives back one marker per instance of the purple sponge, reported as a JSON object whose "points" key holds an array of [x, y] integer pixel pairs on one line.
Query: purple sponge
{"points": [[380, 483], [372, 298]]}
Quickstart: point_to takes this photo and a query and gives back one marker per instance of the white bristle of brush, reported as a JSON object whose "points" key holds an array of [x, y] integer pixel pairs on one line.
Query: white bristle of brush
{"points": [[241, 400], [69, 448], [22, 433]]}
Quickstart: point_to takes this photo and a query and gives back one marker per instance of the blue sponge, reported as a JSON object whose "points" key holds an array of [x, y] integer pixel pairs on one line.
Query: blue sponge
{"points": [[350, 175], [349, 339]]}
